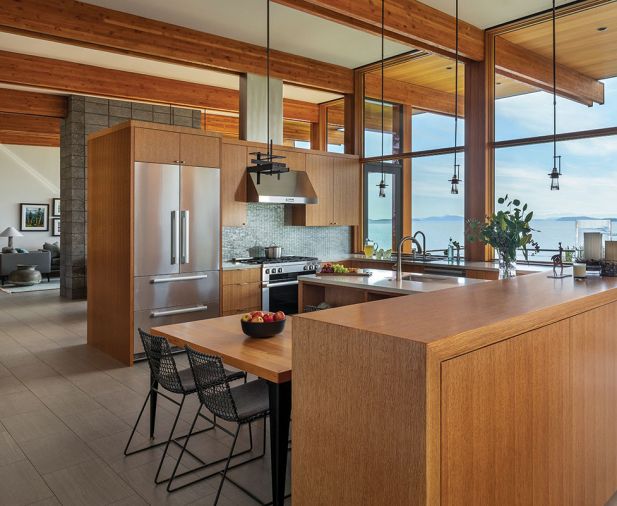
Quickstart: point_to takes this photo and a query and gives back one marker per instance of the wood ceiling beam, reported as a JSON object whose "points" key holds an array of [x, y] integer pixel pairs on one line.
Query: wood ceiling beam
{"points": [[47, 73], [91, 26], [29, 130], [27, 70], [406, 21], [419, 97], [512, 60], [36, 104]]}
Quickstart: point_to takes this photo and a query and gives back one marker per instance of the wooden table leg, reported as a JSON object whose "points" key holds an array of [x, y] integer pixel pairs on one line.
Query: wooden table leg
{"points": [[280, 413]]}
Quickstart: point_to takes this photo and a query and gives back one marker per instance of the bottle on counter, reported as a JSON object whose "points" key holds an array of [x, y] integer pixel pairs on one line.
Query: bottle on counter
{"points": [[450, 251]]}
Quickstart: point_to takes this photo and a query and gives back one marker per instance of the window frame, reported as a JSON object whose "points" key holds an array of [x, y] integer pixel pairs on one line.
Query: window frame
{"points": [[396, 171]]}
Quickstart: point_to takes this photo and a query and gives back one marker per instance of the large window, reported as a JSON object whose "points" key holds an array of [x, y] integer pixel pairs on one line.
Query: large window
{"points": [[523, 111], [372, 128], [433, 131], [382, 223], [435, 211]]}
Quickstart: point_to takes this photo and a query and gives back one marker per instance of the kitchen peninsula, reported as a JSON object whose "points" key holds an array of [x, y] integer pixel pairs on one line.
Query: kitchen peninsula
{"points": [[343, 290], [470, 396]]}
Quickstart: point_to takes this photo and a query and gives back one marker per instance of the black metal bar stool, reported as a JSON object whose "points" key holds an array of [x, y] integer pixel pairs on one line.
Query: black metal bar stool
{"points": [[165, 375], [241, 404]]}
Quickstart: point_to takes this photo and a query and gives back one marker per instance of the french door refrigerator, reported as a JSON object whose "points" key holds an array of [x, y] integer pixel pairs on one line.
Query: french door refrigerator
{"points": [[176, 245]]}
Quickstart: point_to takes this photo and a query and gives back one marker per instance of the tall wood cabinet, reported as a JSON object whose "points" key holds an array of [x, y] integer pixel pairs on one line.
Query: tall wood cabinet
{"points": [[121, 205]]}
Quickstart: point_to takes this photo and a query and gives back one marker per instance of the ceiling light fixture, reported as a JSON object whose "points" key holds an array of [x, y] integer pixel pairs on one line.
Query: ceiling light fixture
{"points": [[555, 173], [382, 184], [456, 176], [264, 163], [602, 28]]}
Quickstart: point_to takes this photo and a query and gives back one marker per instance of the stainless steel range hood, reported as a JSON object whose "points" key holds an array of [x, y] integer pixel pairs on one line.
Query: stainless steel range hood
{"points": [[293, 187]]}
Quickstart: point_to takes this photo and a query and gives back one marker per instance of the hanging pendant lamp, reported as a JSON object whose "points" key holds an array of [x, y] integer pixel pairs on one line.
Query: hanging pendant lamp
{"points": [[456, 176], [382, 184], [556, 172]]}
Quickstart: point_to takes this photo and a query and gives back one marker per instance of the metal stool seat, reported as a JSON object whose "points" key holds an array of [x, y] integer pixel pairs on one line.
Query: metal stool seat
{"points": [[165, 375]]}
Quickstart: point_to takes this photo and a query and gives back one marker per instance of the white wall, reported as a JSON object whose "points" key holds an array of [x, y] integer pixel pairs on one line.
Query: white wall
{"points": [[29, 174]]}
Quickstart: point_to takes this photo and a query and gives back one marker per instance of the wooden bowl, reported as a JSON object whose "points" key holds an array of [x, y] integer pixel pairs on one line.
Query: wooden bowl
{"points": [[263, 330]]}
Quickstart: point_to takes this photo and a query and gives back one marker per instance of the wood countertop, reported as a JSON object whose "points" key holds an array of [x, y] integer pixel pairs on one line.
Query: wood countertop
{"points": [[459, 319], [383, 281]]}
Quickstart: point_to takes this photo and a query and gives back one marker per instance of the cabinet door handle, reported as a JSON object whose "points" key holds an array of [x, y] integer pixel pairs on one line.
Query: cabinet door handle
{"points": [[181, 162], [172, 312], [185, 246], [174, 237]]}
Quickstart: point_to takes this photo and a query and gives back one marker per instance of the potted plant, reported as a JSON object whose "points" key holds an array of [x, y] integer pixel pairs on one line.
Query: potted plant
{"points": [[507, 231]]}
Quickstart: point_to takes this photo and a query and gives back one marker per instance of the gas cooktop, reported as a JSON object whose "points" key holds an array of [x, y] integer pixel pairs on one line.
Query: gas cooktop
{"points": [[281, 260]]}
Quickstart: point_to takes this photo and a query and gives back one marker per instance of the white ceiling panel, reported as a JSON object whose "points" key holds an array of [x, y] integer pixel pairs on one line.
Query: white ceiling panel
{"points": [[292, 31], [489, 13]]}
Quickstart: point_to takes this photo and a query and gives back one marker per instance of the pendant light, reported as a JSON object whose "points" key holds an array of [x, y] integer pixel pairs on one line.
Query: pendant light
{"points": [[556, 172], [264, 163], [456, 176], [382, 184]]}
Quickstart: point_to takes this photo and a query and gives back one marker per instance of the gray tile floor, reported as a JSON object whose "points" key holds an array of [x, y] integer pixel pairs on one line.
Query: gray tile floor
{"points": [[66, 411]]}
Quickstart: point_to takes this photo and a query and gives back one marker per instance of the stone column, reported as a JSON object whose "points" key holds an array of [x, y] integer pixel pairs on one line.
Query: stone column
{"points": [[85, 116]]}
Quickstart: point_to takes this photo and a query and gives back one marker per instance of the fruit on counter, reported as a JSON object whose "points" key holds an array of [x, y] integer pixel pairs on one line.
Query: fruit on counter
{"points": [[330, 268], [263, 317]]}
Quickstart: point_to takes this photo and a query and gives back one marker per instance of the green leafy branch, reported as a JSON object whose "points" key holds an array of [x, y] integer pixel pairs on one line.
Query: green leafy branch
{"points": [[506, 230]]}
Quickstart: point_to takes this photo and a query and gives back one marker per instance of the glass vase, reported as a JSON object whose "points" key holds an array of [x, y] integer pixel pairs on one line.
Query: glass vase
{"points": [[507, 267]]}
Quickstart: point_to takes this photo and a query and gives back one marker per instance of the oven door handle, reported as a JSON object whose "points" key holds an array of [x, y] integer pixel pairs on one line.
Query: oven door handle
{"points": [[284, 283]]}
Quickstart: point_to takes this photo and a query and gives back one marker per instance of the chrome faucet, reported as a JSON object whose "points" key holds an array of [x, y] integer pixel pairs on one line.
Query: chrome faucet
{"points": [[399, 254], [422, 249]]}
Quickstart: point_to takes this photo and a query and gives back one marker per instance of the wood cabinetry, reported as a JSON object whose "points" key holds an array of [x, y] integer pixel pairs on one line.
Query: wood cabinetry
{"points": [[165, 146], [127, 285], [241, 291], [233, 184], [336, 180]]}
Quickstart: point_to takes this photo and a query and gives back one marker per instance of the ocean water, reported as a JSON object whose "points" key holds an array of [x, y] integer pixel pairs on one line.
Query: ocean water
{"points": [[438, 233]]}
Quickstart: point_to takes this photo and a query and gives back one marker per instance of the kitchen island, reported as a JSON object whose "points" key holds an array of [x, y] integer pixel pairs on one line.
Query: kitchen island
{"points": [[502, 392], [343, 290]]}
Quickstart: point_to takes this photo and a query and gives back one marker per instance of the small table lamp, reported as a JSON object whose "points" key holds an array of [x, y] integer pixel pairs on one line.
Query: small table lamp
{"points": [[10, 232]]}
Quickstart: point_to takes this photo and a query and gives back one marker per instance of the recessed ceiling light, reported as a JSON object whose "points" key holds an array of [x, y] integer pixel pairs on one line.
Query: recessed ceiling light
{"points": [[448, 68], [602, 28], [498, 83]]}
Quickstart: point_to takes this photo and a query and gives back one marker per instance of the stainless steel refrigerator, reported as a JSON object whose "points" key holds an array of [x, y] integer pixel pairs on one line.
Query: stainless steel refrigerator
{"points": [[176, 245]]}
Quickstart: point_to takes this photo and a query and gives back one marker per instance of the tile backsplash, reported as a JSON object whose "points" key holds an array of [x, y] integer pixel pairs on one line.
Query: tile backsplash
{"points": [[266, 226]]}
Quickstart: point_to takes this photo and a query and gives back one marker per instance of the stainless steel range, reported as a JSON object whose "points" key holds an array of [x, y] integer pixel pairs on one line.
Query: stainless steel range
{"points": [[279, 280]]}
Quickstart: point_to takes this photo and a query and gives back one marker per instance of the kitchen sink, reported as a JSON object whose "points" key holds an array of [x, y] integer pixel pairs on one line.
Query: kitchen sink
{"points": [[423, 278]]}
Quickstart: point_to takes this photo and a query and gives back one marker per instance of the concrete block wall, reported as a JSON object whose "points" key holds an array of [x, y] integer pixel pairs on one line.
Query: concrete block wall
{"points": [[85, 116]]}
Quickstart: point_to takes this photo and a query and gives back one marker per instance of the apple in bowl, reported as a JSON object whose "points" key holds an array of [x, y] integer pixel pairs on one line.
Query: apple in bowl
{"points": [[263, 324]]}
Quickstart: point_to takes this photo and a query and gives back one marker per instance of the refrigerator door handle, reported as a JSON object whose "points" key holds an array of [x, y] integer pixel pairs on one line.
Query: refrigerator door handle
{"points": [[156, 281], [172, 312], [185, 246], [174, 237]]}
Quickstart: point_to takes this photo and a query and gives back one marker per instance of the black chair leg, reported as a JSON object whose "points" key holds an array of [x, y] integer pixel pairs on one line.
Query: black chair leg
{"points": [[231, 453], [169, 439], [126, 448], [186, 441]]}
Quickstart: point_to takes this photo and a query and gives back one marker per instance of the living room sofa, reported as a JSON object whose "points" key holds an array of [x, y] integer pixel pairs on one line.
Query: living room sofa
{"points": [[9, 262]]}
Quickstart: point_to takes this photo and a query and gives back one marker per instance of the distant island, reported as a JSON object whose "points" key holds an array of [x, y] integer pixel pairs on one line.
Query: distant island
{"points": [[454, 217]]}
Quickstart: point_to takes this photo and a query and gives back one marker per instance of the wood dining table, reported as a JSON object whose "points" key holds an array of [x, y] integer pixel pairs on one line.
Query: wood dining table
{"points": [[269, 359]]}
